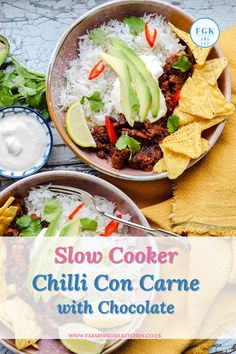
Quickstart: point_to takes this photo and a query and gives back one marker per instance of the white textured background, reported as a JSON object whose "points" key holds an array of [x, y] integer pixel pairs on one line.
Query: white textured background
{"points": [[33, 27]]}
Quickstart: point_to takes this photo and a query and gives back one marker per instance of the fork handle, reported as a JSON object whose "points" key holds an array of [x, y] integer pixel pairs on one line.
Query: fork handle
{"points": [[149, 230]]}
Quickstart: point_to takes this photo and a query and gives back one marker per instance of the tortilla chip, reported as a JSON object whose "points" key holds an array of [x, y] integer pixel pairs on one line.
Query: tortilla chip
{"points": [[205, 145], [194, 98], [175, 163], [211, 70], [200, 54], [220, 106], [6, 205], [160, 166], [186, 141], [22, 319], [198, 98], [208, 123], [185, 118], [7, 217]]}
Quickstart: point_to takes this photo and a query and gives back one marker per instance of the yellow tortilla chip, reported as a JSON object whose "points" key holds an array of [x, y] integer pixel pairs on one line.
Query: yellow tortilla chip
{"points": [[185, 118], [211, 70], [199, 98], [22, 319], [200, 54], [208, 123], [220, 106], [6, 205], [175, 163], [205, 145], [194, 98], [160, 166], [7, 217], [186, 141]]}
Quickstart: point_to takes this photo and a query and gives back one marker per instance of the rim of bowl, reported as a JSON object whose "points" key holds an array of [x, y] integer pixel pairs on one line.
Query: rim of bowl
{"points": [[49, 151], [64, 135]]}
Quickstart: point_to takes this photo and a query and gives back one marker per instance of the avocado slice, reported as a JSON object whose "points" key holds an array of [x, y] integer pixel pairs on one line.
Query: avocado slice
{"points": [[141, 66], [129, 100], [71, 228], [142, 89], [4, 49]]}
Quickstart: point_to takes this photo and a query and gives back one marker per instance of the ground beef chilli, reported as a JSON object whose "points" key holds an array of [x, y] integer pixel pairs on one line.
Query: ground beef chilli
{"points": [[172, 80], [150, 135]]}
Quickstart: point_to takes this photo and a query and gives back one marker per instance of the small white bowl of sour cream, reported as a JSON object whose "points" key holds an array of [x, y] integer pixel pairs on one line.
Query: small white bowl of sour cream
{"points": [[25, 142]]}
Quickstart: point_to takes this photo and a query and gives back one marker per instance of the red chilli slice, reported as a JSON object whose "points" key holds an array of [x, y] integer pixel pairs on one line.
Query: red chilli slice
{"points": [[97, 70], [74, 212], [150, 37], [111, 227], [110, 130]]}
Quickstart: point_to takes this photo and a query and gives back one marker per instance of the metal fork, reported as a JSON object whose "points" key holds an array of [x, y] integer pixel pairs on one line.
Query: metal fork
{"points": [[89, 200]]}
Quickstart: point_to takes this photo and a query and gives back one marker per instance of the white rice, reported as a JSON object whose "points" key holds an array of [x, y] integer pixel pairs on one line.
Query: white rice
{"points": [[77, 83], [37, 198]]}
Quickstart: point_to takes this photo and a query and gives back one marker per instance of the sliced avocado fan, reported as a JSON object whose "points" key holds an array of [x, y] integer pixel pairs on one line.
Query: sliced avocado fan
{"points": [[141, 86], [139, 65], [128, 99]]}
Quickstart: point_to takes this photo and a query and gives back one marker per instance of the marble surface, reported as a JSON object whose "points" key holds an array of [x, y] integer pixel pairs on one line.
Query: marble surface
{"points": [[33, 27]]}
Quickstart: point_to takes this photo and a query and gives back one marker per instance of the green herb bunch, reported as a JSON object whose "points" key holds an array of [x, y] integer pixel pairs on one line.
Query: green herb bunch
{"points": [[18, 85]]}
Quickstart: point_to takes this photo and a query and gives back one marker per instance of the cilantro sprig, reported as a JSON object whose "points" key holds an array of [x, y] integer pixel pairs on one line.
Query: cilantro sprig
{"points": [[126, 141], [136, 24], [29, 226], [88, 224], [182, 63], [98, 36], [20, 86], [95, 101], [173, 124]]}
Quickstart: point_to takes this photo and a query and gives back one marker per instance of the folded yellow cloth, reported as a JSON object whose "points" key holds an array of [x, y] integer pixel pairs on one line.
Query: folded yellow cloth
{"points": [[204, 203], [204, 200]]}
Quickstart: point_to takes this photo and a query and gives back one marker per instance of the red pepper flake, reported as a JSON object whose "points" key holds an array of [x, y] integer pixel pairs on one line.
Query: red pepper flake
{"points": [[150, 37], [176, 98], [97, 70], [75, 211], [110, 130], [111, 227]]}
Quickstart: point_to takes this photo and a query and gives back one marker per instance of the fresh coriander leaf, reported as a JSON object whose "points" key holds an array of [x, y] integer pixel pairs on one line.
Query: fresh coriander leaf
{"points": [[95, 101], [136, 24], [51, 209], [173, 124], [33, 229], [98, 36], [88, 224], [126, 141], [24, 221], [183, 64], [27, 91]]}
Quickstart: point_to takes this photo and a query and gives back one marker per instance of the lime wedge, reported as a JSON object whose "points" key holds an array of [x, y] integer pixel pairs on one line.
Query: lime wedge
{"points": [[77, 127], [82, 345]]}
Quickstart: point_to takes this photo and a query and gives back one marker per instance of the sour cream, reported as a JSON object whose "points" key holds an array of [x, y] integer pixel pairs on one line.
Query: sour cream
{"points": [[22, 142], [154, 66]]}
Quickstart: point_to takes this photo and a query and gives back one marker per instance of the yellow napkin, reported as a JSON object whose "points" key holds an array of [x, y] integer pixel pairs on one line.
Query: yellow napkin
{"points": [[204, 202], [205, 196]]}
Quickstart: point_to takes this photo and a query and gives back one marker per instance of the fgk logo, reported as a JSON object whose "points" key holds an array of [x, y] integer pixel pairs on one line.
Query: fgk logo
{"points": [[204, 32]]}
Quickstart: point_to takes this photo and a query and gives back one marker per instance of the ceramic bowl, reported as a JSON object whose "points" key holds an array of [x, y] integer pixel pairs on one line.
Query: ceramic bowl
{"points": [[93, 185], [15, 110], [66, 50]]}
